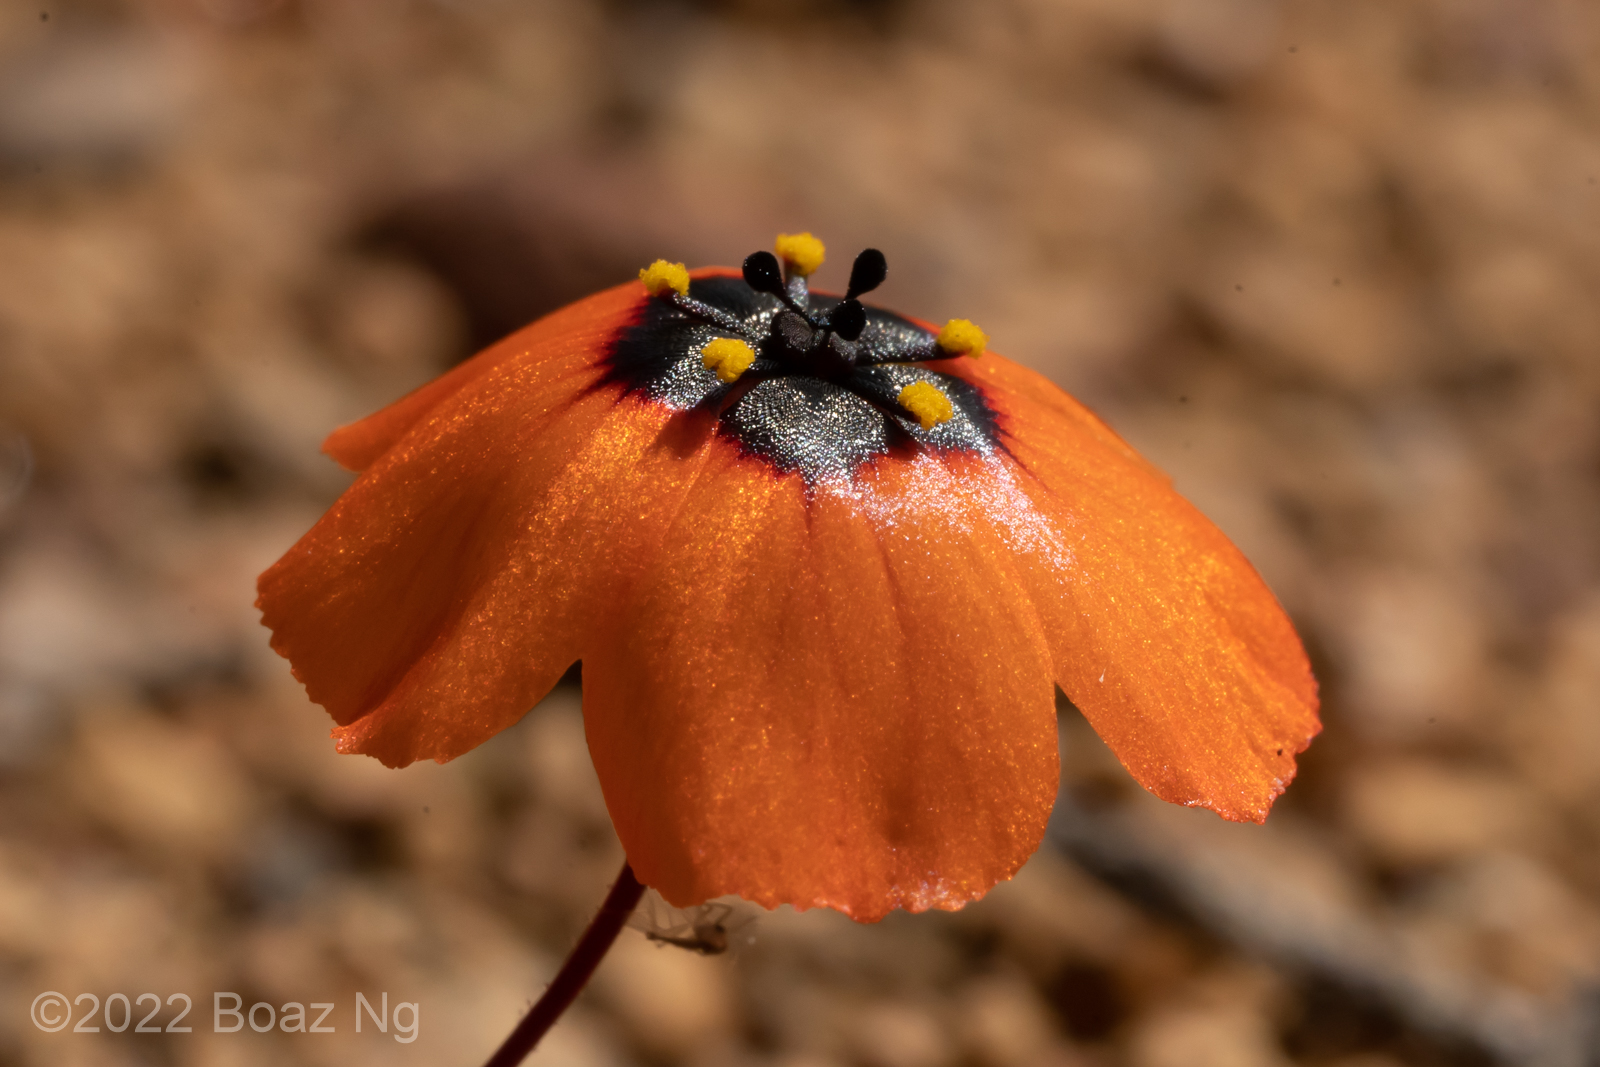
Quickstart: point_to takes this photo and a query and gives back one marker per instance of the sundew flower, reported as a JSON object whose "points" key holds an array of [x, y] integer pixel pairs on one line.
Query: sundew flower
{"points": [[823, 565]]}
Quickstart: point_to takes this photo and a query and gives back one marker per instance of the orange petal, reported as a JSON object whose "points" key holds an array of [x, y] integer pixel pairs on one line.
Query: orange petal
{"points": [[452, 585], [562, 343], [1160, 630], [842, 701]]}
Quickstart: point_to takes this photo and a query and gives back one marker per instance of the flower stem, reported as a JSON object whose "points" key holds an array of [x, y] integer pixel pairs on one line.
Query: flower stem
{"points": [[574, 974]]}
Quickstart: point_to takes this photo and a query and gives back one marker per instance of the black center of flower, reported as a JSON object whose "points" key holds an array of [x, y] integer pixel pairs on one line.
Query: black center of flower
{"points": [[832, 385], [819, 345]]}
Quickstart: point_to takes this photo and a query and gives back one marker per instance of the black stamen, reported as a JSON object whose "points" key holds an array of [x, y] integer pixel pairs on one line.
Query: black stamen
{"points": [[866, 275], [761, 273], [849, 318]]}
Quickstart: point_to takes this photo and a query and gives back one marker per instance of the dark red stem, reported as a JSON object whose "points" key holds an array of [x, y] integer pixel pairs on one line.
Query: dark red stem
{"points": [[575, 972]]}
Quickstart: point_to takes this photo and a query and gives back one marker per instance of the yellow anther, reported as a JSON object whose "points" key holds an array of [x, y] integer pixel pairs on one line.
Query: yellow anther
{"points": [[727, 356], [927, 403], [801, 251], [660, 276], [961, 338]]}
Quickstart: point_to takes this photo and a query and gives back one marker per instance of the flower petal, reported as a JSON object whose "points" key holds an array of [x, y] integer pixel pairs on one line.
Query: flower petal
{"points": [[1160, 630], [562, 343], [452, 585], [831, 701]]}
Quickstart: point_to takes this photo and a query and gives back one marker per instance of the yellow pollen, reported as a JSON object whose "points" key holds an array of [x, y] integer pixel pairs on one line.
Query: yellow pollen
{"points": [[801, 251], [660, 276], [960, 337], [927, 403], [727, 356]]}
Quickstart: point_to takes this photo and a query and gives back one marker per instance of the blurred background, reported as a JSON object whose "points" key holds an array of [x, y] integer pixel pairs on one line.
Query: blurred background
{"points": [[1331, 263]]}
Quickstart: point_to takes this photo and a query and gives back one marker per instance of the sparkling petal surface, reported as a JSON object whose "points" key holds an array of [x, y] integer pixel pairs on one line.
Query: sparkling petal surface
{"points": [[559, 345], [452, 585], [1159, 628], [843, 702]]}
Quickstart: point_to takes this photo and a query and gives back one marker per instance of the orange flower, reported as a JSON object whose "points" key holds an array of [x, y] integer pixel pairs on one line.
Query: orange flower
{"points": [[823, 565]]}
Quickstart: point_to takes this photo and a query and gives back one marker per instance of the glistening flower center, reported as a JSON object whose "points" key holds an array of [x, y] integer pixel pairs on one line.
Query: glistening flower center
{"points": [[811, 383]]}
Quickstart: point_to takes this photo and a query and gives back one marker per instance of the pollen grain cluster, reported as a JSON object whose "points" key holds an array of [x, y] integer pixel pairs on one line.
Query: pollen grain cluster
{"points": [[961, 337], [728, 356], [661, 277], [927, 403], [802, 252]]}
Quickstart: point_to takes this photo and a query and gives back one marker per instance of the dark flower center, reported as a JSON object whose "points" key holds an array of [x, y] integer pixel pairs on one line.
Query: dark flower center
{"points": [[811, 383]]}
